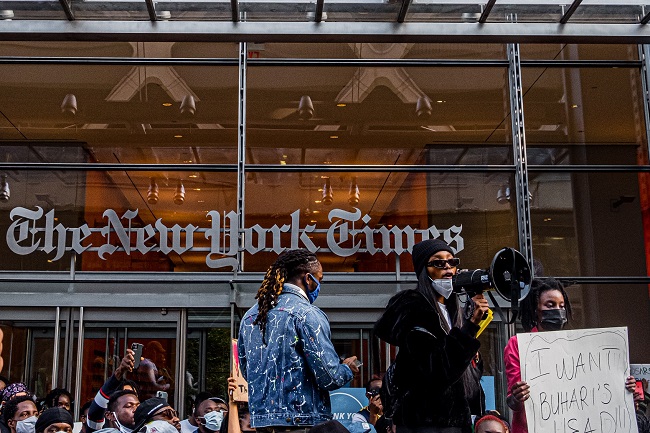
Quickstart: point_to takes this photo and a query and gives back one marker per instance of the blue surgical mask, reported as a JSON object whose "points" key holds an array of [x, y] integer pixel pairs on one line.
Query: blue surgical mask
{"points": [[28, 425], [313, 294], [213, 420]]}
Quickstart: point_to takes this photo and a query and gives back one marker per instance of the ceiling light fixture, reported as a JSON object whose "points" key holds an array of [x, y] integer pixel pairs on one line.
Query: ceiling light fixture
{"points": [[5, 192], [167, 104], [305, 108], [353, 197], [328, 193], [188, 105], [179, 195], [152, 192], [69, 104], [423, 107]]}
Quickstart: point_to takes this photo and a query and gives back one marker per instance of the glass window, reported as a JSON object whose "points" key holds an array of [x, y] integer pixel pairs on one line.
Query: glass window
{"points": [[363, 232], [580, 221], [579, 51], [579, 116]]}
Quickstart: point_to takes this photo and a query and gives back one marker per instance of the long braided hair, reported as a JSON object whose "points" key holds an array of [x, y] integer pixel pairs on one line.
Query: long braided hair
{"points": [[289, 264], [528, 312]]}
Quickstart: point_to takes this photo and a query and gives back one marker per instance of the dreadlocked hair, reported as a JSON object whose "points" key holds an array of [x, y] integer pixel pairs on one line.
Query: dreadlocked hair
{"points": [[289, 264], [528, 312]]}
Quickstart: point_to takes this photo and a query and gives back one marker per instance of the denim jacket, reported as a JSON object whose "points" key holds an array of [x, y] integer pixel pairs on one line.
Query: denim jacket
{"points": [[289, 377]]}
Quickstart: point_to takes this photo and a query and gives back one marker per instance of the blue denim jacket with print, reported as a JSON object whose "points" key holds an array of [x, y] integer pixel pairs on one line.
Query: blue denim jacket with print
{"points": [[289, 377]]}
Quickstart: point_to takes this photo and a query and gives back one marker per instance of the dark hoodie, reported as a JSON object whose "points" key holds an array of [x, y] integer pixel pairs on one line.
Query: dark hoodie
{"points": [[430, 363]]}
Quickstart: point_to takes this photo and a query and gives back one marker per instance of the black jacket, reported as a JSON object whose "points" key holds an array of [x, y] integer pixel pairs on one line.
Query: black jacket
{"points": [[430, 363]]}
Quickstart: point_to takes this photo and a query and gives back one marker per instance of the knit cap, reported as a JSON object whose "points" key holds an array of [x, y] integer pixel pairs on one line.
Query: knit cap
{"points": [[422, 251]]}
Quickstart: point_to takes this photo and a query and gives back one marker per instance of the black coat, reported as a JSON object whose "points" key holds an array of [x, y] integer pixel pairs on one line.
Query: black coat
{"points": [[430, 363]]}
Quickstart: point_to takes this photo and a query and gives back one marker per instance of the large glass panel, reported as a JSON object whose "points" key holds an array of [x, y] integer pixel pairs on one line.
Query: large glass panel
{"points": [[584, 116], [579, 52], [379, 51], [363, 232], [390, 116], [120, 114], [582, 221], [168, 221]]}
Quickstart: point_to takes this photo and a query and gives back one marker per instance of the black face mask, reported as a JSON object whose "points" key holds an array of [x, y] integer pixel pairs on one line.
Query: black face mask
{"points": [[553, 320]]}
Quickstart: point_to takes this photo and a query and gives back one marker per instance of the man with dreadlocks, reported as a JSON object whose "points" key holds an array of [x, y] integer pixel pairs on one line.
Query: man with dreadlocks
{"points": [[285, 351]]}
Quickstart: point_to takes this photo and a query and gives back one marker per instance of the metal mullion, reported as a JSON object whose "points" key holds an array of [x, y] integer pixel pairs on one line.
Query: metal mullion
{"points": [[318, 15], [151, 9], [361, 63], [234, 9], [67, 9], [55, 354], [80, 351], [115, 61], [403, 10], [644, 55], [519, 153], [486, 12], [567, 15], [581, 63], [241, 151], [646, 18], [589, 168]]}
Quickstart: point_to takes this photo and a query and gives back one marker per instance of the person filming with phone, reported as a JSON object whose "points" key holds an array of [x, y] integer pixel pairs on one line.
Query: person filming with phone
{"points": [[285, 349], [374, 410]]}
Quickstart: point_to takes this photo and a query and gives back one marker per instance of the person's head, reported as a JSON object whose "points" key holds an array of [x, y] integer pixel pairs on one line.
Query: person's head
{"points": [[154, 351], [83, 415], [54, 420], [210, 414], [157, 415], [373, 387], [129, 385], [491, 423], [14, 390], [547, 306], [433, 256], [59, 397], [299, 267], [245, 419], [17, 411], [121, 408]]}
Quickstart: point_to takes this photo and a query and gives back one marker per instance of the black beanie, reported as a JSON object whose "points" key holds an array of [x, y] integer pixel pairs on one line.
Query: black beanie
{"points": [[147, 410], [51, 416], [422, 252]]}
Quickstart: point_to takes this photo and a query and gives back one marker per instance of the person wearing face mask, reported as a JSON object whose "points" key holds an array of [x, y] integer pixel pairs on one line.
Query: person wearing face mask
{"points": [[437, 343], [546, 308], [20, 414], [210, 414], [285, 349], [155, 415], [54, 420]]}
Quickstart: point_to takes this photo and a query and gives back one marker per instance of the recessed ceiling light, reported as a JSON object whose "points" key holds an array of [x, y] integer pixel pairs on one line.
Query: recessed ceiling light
{"points": [[334, 136], [574, 106], [440, 101], [283, 162], [316, 201], [201, 201], [197, 189], [178, 136], [341, 105], [316, 211], [167, 104], [193, 176]]}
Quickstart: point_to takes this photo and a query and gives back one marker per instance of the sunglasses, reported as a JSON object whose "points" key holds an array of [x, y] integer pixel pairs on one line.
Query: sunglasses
{"points": [[442, 264], [168, 414]]}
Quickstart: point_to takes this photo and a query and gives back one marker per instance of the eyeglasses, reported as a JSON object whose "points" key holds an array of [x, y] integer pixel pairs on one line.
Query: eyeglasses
{"points": [[442, 264], [168, 414]]}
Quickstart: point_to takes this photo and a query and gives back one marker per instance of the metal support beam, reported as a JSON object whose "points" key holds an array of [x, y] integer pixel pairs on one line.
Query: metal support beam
{"points": [[519, 153], [403, 10], [486, 11], [644, 55], [646, 17], [151, 8], [569, 12], [241, 150], [327, 31], [319, 11], [234, 8], [65, 5]]}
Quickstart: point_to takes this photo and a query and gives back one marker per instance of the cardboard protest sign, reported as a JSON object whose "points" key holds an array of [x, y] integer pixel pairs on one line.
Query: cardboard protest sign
{"points": [[577, 381], [241, 393]]}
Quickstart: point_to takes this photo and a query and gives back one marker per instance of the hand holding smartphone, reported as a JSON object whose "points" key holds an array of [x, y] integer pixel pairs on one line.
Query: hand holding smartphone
{"points": [[137, 354]]}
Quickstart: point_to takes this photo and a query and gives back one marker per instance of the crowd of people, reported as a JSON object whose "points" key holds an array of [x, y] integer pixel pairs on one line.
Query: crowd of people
{"points": [[286, 355]]}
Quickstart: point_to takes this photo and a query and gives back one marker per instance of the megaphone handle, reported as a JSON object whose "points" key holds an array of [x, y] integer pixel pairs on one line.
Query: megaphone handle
{"points": [[497, 307]]}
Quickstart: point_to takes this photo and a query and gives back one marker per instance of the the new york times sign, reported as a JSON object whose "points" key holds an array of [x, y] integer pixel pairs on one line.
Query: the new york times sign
{"points": [[348, 234]]}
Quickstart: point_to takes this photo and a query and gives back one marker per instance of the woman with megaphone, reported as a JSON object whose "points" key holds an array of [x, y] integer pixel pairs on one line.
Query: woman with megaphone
{"points": [[427, 388]]}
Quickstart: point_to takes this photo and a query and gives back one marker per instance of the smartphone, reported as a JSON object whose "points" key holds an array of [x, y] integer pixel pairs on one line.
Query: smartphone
{"points": [[358, 363], [639, 389], [161, 394], [137, 354]]}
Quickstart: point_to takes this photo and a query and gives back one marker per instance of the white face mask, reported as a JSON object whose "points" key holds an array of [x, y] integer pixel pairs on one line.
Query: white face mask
{"points": [[213, 420], [122, 428], [161, 426], [28, 425], [443, 287]]}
